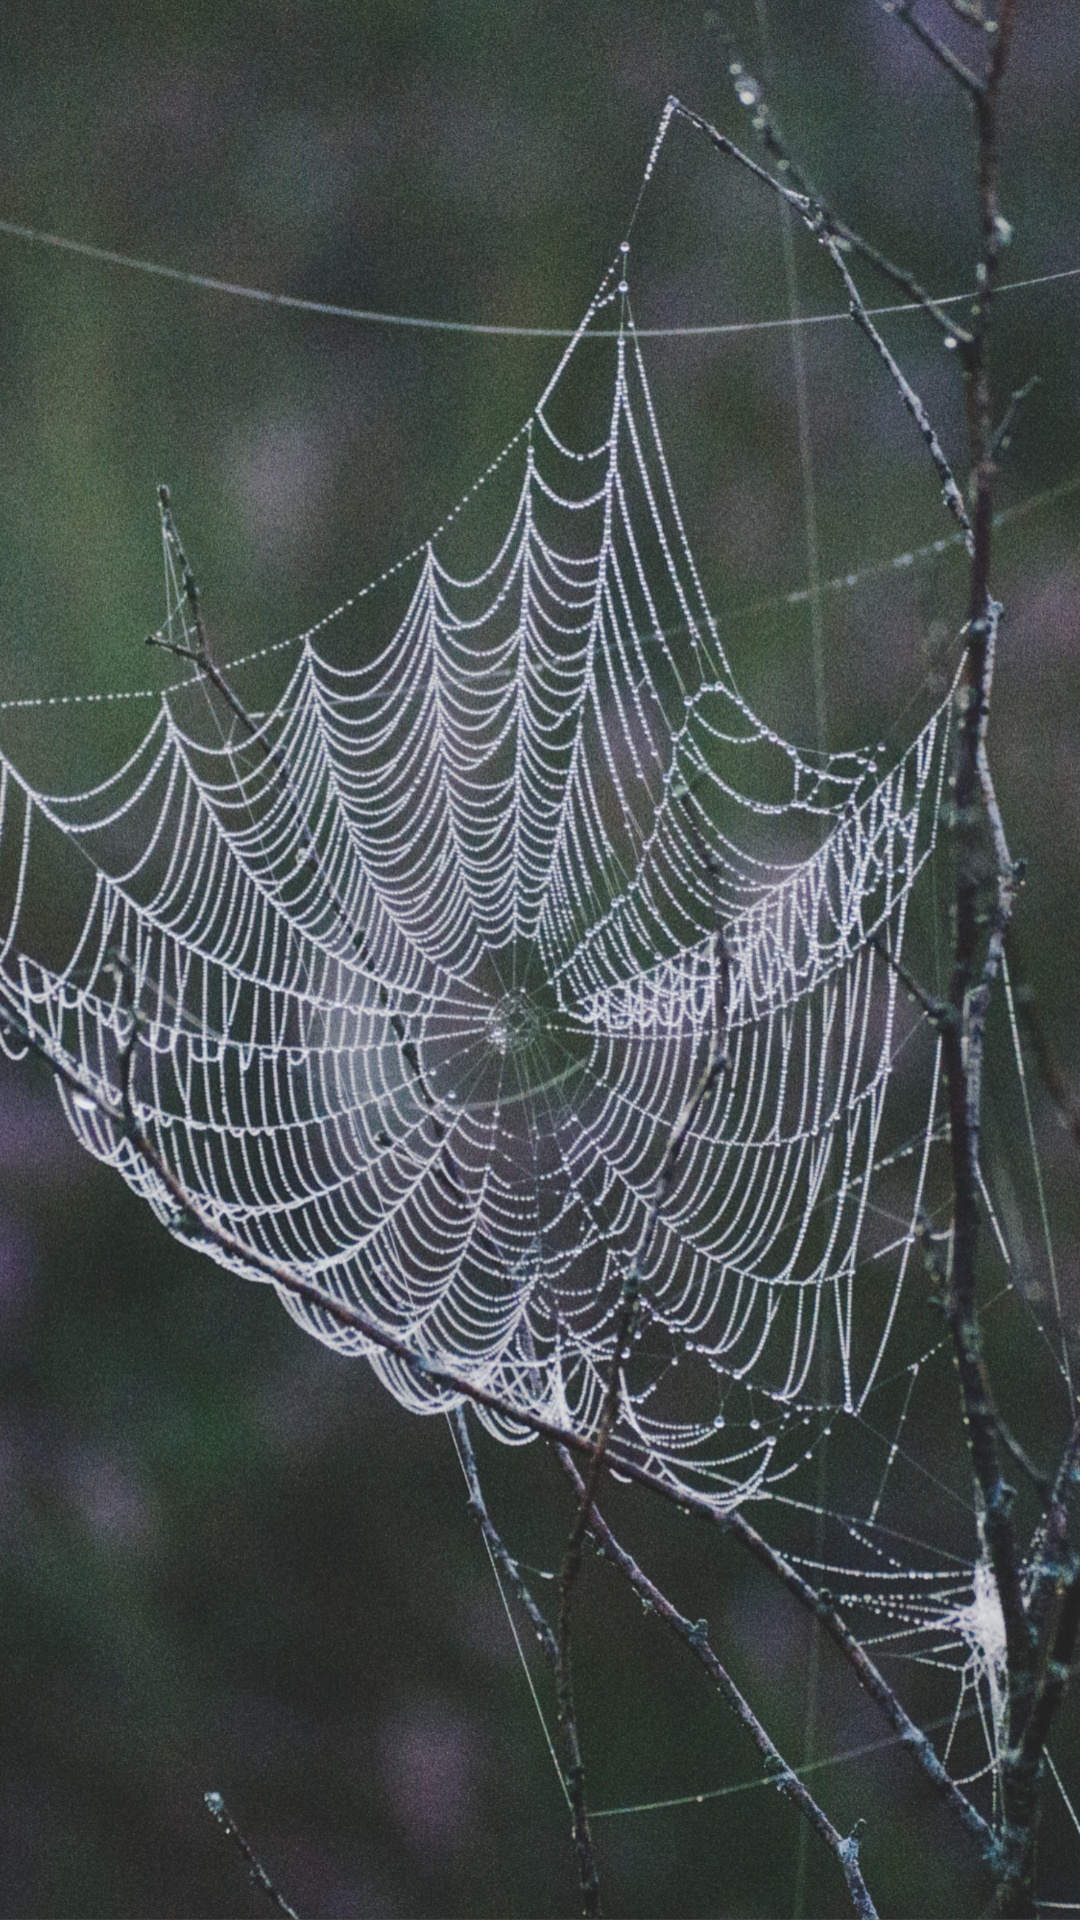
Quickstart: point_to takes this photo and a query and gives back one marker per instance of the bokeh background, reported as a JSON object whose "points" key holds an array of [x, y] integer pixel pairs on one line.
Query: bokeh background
{"points": [[227, 1559]]}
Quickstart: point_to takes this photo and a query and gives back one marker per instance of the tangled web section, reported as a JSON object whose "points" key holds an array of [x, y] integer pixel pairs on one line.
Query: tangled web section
{"points": [[514, 956]]}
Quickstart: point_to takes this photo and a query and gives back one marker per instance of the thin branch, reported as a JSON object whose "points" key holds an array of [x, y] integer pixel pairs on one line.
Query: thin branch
{"points": [[802, 203], [749, 95], [1041, 1481], [936, 1260], [1054, 1681], [978, 945], [715, 1064], [505, 1561], [938, 1268], [819, 1602], [1050, 1561], [568, 1578], [951, 493], [695, 1635], [983, 636], [938, 1012], [974, 804], [971, 12], [943, 54], [216, 1806], [819, 222], [200, 654], [573, 1773], [556, 1653], [963, 1035]]}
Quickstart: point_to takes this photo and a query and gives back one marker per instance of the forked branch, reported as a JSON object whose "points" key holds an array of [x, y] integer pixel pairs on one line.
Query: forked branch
{"points": [[694, 1634], [816, 216], [749, 95], [573, 1770]]}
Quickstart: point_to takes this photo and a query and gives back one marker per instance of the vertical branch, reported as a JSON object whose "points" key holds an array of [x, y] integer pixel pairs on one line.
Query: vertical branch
{"points": [[984, 890], [556, 1653], [200, 654], [983, 899], [568, 1578]]}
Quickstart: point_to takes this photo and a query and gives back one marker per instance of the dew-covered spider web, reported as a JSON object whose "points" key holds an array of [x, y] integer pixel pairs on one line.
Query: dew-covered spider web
{"points": [[428, 973], [508, 959]]}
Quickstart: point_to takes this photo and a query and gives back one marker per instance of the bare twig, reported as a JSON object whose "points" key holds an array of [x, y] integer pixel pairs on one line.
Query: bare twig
{"points": [[750, 96], [943, 54], [950, 492], [819, 1602], [975, 809], [1041, 1481], [505, 1561], [971, 12], [694, 1633], [977, 954], [200, 654], [820, 223], [556, 1655], [1053, 1682], [938, 1012], [978, 945], [1003, 436], [216, 1806], [624, 1333], [568, 1577], [1051, 1563]]}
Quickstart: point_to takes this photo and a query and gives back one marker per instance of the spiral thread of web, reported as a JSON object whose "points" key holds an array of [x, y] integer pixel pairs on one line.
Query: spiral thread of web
{"points": [[425, 976]]}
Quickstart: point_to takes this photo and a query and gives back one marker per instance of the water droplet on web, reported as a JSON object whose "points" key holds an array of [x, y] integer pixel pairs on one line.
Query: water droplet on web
{"points": [[534, 860]]}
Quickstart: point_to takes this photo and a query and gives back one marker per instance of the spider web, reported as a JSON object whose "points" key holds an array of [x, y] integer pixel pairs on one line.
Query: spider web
{"points": [[521, 960], [477, 981]]}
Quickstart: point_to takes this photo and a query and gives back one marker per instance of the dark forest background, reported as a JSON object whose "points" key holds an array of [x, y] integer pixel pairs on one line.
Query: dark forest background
{"points": [[227, 1559]]}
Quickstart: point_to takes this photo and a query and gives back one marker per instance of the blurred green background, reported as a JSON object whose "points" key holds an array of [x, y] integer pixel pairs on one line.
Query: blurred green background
{"points": [[227, 1559]]}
